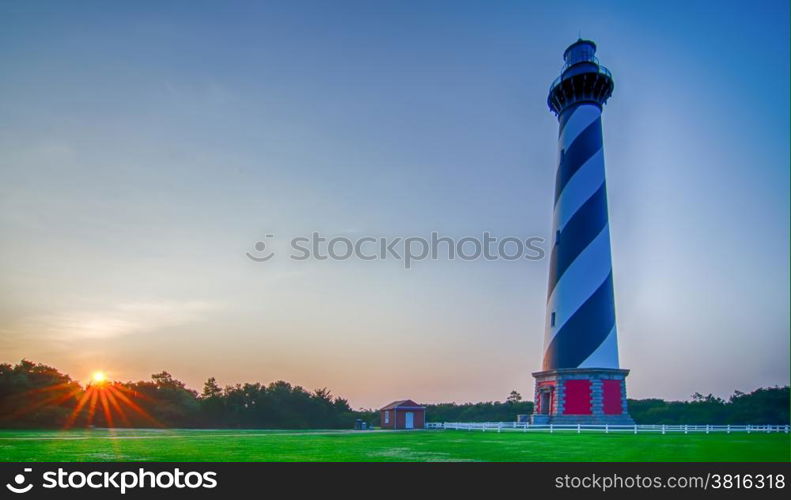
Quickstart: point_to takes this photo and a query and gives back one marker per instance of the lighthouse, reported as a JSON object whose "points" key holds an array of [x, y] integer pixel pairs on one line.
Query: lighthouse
{"points": [[581, 381]]}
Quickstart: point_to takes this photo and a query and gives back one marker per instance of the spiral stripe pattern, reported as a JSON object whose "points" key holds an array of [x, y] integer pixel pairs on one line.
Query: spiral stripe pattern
{"points": [[580, 324]]}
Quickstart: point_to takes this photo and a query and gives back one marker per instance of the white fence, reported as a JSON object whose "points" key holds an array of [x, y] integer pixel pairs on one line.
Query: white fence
{"points": [[579, 428]]}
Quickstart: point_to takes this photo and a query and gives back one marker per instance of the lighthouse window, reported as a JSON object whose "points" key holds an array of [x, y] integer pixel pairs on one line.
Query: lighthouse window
{"points": [[552, 319]]}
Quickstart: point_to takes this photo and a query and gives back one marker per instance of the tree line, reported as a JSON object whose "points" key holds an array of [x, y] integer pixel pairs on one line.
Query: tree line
{"points": [[760, 407], [38, 396]]}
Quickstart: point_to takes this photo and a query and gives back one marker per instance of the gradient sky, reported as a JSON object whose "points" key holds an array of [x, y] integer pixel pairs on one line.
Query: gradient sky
{"points": [[147, 147]]}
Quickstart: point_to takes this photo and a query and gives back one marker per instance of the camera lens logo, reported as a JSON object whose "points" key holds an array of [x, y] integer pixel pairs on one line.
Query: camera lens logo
{"points": [[19, 479]]}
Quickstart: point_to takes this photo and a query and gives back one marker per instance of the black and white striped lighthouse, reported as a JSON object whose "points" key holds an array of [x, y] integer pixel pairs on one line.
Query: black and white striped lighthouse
{"points": [[580, 380]]}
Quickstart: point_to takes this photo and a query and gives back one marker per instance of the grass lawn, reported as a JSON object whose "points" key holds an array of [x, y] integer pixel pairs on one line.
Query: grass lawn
{"points": [[343, 446]]}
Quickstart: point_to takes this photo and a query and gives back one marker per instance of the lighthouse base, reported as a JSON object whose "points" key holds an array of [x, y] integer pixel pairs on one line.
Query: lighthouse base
{"points": [[586, 396]]}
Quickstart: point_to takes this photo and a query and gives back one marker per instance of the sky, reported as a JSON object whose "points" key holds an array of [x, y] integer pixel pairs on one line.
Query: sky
{"points": [[146, 147]]}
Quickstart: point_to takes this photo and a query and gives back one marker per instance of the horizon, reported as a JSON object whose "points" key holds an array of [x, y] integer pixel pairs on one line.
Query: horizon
{"points": [[101, 378], [146, 153]]}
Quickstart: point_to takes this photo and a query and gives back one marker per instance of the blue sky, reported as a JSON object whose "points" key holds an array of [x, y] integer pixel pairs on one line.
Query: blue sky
{"points": [[147, 147]]}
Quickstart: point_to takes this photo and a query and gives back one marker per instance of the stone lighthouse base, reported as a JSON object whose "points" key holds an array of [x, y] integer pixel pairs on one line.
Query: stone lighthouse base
{"points": [[587, 396]]}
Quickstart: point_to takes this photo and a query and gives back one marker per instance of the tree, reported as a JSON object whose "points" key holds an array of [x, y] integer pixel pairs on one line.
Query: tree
{"points": [[211, 389], [514, 397], [36, 395], [760, 407]]}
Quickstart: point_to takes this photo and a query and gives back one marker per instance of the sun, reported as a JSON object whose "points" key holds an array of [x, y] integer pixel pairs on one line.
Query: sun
{"points": [[114, 401]]}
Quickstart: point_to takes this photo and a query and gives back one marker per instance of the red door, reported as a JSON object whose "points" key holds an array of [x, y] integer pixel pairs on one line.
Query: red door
{"points": [[577, 397]]}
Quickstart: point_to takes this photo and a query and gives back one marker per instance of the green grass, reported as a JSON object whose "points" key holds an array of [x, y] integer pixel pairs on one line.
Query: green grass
{"points": [[344, 446]]}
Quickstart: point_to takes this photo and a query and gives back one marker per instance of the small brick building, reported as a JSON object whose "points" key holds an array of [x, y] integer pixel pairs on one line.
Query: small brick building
{"points": [[404, 414]]}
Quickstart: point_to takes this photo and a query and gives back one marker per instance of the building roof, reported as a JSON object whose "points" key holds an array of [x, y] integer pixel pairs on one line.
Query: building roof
{"points": [[404, 404]]}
